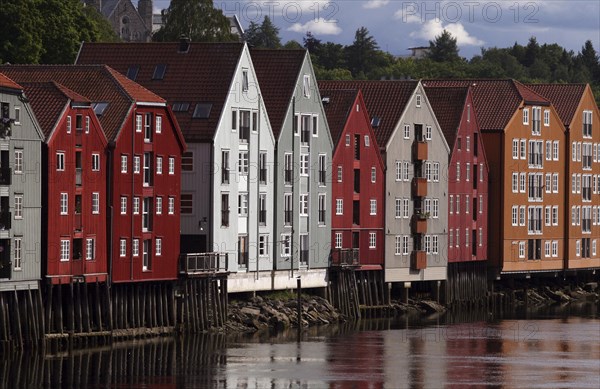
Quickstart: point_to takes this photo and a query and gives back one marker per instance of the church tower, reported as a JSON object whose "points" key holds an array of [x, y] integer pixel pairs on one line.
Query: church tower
{"points": [[97, 4], [145, 11]]}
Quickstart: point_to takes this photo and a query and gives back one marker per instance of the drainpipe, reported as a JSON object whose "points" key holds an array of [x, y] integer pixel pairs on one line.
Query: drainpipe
{"points": [[133, 189]]}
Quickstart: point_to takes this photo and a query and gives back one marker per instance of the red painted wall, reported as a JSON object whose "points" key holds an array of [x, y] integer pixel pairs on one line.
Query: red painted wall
{"points": [[164, 226], [463, 220], [62, 227], [359, 123]]}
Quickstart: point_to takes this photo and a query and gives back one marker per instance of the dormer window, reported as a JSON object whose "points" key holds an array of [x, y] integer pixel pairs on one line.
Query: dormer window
{"points": [[306, 86]]}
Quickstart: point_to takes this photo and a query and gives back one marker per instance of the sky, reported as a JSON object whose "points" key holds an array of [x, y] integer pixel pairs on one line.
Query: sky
{"points": [[397, 25]]}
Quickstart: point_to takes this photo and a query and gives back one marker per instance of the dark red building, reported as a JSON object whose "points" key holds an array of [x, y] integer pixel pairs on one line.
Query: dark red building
{"points": [[357, 182], [467, 188], [145, 146], [74, 184]]}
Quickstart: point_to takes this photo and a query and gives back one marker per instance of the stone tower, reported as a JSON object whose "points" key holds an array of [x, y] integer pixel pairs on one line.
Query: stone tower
{"points": [[97, 4], [145, 11]]}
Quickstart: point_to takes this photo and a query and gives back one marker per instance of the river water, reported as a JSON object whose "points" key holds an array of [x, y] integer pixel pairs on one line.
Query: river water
{"points": [[549, 348]]}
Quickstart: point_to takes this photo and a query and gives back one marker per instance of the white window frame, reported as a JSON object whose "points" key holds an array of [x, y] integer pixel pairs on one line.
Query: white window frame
{"points": [[65, 250], [339, 206], [171, 165], [171, 205], [90, 249], [123, 205], [122, 248], [123, 163], [60, 161], [135, 248], [525, 116], [64, 203], [338, 240], [373, 207], [372, 240], [95, 203], [159, 201]]}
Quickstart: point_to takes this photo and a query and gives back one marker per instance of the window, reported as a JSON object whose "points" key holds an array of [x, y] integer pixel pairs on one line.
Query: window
{"points": [[480, 203], [450, 238], [339, 173], [187, 161], [303, 204], [224, 209], [515, 149], [428, 244], [372, 240], [69, 124], [138, 123], [243, 204], [136, 205], [305, 129], [186, 203], [17, 117], [405, 245], [122, 248], [158, 247], [405, 208], [123, 164], [136, 164], [339, 206], [406, 131], [555, 248], [304, 164], [457, 235], [555, 215], [148, 128], [18, 255], [436, 172], [171, 165], [95, 203], [451, 205], [468, 172], [286, 245], [468, 144], [287, 209], [458, 171], [457, 204], [244, 134], [521, 249], [515, 211], [338, 240], [224, 166], [65, 250], [535, 153], [158, 124], [90, 249], [148, 169], [405, 166], [244, 80], [522, 180], [587, 156], [436, 208], [135, 249], [263, 245], [418, 101], [434, 243], [18, 161], [523, 149], [577, 248], [398, 170], [373, 174], [18, 206], [554, 182], [547, 245], [480, 236], [535, 127], [159, 165], [548, 150], [428, 132], [64, 203], [525, 116], [95, 162], [159, 202], [522, 216], [546, 118], [547, 216], [515, 182], [467, 206], [373, 207], [534, 225], [322, 209], [243, 163], [254, 121], [315, 125], [587, 124], [398, 208], [262, 168], [428, 171], [398, 245], [535, 192], [367, 141], [555, 150], [578, 151], [306, 86], [123, 205], [60, 161]]}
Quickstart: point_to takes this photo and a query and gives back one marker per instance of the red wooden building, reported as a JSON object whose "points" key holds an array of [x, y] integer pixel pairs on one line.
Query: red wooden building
{"points": [[74, 184], [358, 182], [143, 166]]}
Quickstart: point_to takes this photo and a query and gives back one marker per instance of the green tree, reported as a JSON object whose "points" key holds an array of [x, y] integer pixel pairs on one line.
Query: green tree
{"points": [[589, 58], [311, 43], [292, 44], [48, 31], [360, 54], [331, 56], [265, 35], [443, 48], [198, 20]]}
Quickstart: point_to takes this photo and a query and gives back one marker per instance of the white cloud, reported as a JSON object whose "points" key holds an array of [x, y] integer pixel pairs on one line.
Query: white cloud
{"points": [[432, 28], [318, 26], [373, 4]]}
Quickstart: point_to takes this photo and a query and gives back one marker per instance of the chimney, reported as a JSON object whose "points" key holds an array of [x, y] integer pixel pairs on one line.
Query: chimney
{"points": [[184, 44]]}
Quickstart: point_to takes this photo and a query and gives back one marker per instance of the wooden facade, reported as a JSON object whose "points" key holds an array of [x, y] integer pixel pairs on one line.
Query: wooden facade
{"points": [[357, 201]]}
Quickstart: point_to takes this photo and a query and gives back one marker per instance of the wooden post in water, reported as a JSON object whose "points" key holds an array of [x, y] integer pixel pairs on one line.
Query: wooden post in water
{"points": [[299, 308]]}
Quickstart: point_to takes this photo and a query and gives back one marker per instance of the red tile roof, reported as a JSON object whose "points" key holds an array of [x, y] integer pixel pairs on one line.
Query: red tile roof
{"points": [[277, 72], [448, 105], [203, 74], [99, 83], [6, 82], [385, 100], [564, 97], [495, 101], [341, 102], [47, 101]]}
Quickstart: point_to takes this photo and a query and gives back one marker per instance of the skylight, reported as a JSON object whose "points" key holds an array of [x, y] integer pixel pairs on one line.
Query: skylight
{"points": [[375, 121], [132, 72], [180, 106], [99, 108], [202, 111], [159, 72]]}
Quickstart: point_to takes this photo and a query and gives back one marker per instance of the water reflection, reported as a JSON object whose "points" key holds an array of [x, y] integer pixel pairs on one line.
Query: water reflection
{"points": [[549, 349]]}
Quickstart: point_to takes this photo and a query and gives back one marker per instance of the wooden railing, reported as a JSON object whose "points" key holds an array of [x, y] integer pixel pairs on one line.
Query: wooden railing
{"points": [[203, 263], [345, 257]]}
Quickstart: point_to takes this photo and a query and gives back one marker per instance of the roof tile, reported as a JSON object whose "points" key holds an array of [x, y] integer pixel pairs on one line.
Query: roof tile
{"points": [[337, 109], [6, 82], [448, 106], [564, 97]]}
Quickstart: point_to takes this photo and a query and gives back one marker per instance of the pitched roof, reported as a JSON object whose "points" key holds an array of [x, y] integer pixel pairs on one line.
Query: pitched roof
{"points": [[99, 83], [385, 100], [47, 101], [338, 109], [277, 72], [108, 7], [564, 97], [202, 74], [494, 101], [448, 105], [6, 82]]}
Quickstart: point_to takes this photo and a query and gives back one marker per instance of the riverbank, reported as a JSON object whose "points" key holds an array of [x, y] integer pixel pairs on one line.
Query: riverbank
{"points": [[278, 311]]}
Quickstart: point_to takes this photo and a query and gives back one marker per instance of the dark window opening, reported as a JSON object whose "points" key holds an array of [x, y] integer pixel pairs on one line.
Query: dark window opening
{"points": [[159, 72], [202, 111]]}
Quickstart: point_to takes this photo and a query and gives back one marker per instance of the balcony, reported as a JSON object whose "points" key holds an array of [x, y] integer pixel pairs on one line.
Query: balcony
{"points": [[419, 187], [344, 257], [419, 150], [203, 263], [418, 260], [5, 176], [419, 224], [78, 222]]}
